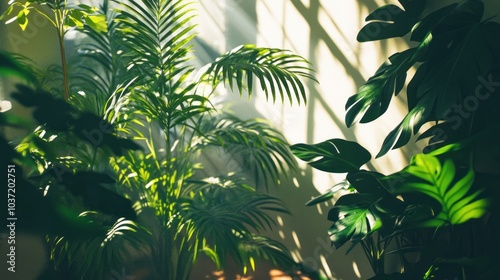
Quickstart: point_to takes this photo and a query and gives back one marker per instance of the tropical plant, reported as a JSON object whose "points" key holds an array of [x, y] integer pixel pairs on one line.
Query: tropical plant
{"points": [[46, 186], [135, 75], [443, 205]]}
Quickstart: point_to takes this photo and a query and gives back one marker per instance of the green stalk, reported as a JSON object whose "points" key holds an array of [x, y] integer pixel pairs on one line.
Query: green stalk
{"points": [[60, 36], [64, 66]]}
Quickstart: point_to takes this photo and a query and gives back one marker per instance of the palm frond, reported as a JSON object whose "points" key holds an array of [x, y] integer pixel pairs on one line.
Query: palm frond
{"points": [[221, 214], [262, 149], [159, 32], [108, 252], [261, 248], [100, 70], [277, 71]]}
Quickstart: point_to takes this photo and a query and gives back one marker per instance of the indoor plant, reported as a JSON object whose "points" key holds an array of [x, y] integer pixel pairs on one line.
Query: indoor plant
{"points": [[442, 207]]}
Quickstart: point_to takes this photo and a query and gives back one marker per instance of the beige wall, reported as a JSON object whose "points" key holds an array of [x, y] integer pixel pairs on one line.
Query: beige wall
{"points": [[324, 32]]}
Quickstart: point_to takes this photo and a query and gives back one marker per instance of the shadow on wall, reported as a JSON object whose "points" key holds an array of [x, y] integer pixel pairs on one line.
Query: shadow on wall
{"points": [[324, 32]]}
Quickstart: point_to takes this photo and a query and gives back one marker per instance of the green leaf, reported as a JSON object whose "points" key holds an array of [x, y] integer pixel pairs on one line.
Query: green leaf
{"points": [[409, 126], [8, 119], [391, 21], [459, 200], [373, 98], [11, 67], [22, 18], [97, 22], [87, 8], [445, 81], [334, 155], [344, 185], [421, 29], [75, 18], [277, 71], [354, 218]]}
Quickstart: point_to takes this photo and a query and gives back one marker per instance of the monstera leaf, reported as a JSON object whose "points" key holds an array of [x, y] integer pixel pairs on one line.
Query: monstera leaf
{"points": [[457, 49], [391, 21], [354, 217], [458, 200], [334, 155], [371, 208], [374, 97]]}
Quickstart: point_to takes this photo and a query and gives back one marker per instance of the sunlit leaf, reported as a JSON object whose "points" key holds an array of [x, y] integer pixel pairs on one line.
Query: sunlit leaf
{"points": [[22, 18], [334, 155], [354, 218], [96, 22], [277, 71], [459, 200]]}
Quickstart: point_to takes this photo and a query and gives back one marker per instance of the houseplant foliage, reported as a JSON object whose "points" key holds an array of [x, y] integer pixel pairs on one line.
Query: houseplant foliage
{"points": [[50, 191], [443, 205], [135, 76]]}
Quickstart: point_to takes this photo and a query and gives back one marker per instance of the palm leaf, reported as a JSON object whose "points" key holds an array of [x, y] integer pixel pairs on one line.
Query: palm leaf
{"points": [[262, 149], [224, 214], [277, 71], [158, 32], [261, 248], [107, 252], [100, 71]]}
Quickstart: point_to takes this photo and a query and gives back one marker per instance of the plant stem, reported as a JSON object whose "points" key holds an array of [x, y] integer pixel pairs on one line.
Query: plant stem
{"points": [[63, 62]]}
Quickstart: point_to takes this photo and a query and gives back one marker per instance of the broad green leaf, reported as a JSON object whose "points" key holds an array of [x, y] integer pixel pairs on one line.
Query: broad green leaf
{"points": [[373, 98], [408, 127], [461, 52], [421, 29], [391, 21], [369, 182], [334, 155], [458, 199], [354, 217], [357, 215]]}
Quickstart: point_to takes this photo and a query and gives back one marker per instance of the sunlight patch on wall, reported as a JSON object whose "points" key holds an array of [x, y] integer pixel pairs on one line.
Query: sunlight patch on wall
{"points": [[355, 268], [282, 234], [297, 257], [326, 267], [320, 211], [280, 220], [296, 239]]}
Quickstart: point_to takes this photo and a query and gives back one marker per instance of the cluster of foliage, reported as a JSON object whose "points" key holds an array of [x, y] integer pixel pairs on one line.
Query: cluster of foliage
{"points": [[149, 197], [443, 206], [52, 195]]}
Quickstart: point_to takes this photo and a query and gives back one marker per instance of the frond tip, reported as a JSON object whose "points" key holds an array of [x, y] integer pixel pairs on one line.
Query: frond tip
{"points": [[278, 71]]}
